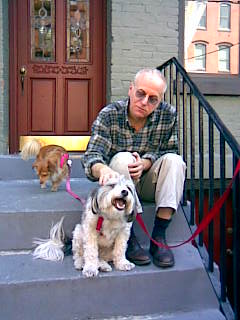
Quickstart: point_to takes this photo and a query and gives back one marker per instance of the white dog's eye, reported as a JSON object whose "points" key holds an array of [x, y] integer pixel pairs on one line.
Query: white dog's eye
{"points": [[130, 189], [111, 185]]}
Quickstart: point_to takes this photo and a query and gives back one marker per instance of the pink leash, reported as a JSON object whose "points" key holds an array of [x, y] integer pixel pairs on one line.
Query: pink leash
{"points": [[64, 158]]}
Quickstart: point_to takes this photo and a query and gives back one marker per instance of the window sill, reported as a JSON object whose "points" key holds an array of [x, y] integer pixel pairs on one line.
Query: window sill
{"points": [[224, 30], [217, 84]]}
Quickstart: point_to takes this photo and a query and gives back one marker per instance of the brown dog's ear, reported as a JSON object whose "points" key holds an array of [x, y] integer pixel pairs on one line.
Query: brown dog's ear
{"points": [[34, 165]]}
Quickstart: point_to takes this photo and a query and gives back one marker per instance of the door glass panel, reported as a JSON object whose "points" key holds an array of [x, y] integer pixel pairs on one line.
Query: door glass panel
{"points": [[78, 49], [42, 30]]}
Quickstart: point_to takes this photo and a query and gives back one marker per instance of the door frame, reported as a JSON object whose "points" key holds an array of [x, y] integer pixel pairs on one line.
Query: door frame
{"points": [[14, 76]]}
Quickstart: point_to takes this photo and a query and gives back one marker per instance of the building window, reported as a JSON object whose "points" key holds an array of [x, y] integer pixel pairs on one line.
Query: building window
{"points": [[224, 58], [203, 21], [214, 71], [224, 22], [200, 56]]}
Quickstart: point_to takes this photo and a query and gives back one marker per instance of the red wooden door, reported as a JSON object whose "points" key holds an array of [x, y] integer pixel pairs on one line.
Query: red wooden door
{"points": [[60, 66]]}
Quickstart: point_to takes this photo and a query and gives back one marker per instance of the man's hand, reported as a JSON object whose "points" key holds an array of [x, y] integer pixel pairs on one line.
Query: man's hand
{"points": [[136, 168], [103, 173]]}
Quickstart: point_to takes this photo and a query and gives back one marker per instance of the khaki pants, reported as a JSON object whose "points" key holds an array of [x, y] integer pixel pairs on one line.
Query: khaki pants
{"points": [[163, 183]]}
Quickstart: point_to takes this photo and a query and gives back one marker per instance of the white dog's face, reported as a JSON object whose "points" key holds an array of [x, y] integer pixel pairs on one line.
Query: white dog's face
{"points": [[116, 197]]}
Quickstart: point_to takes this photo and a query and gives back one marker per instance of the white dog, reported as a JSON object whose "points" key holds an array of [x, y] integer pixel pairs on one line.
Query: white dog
{"points": [[103, 233]]}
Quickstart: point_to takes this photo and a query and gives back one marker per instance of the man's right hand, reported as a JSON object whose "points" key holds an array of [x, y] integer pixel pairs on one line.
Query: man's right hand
{"points": [[103, 173]]}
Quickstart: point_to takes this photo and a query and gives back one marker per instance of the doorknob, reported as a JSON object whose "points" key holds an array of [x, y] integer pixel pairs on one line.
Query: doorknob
{"points": [[22, 72]]}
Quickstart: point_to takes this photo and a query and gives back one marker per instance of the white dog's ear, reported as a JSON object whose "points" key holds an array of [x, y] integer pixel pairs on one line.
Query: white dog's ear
{"points": [[94, 202], [131, 217]]}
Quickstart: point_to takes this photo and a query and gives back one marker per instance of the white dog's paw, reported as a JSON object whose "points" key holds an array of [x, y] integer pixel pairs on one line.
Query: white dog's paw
{"points": [[124, 265], [90, 271], [78, 263], [104, 266]]}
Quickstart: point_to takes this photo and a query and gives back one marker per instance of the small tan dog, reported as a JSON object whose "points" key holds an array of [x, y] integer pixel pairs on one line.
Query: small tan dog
{"points": [[47, 163]]}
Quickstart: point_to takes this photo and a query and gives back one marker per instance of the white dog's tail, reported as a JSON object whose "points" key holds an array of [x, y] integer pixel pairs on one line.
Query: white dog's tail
{"points": [[52, 248], [31, 148]]}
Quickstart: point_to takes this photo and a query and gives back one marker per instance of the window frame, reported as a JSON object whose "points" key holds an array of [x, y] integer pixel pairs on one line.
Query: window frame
{"points": [[199, 27], [220, 28], [225, 46], [203, 45], [220, 84]]}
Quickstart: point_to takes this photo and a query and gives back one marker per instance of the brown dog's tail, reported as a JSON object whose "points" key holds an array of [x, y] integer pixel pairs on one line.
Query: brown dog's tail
{"points": [[31, 148]]}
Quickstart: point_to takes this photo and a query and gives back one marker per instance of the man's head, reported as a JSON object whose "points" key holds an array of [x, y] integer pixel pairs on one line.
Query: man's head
{"points": [[145, 93]]}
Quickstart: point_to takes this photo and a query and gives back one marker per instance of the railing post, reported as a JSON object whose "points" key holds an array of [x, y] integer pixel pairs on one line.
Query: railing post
{"points": [[211, 193], [192, 154], [236, 242], [222, 220], [201, 169]]}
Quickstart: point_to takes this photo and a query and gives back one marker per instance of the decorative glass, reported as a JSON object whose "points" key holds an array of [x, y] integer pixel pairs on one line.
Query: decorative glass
{"points": [[42, 30], [78, 48]]}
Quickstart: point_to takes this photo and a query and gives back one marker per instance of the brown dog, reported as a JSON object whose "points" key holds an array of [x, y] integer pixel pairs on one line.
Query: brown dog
{"points": [[47, 163]]}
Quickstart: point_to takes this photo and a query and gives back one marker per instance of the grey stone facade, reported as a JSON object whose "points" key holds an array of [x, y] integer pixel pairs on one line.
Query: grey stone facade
{"points": [[228, 109], [4, 78], [143, 34]]}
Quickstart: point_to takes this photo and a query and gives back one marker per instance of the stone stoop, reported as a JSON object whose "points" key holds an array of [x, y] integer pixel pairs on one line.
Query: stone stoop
{"points": [[38, 289]]}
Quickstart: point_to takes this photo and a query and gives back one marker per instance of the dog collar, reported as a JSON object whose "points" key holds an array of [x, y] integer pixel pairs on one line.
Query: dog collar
{"points": [[64, 156], [99, 223]]}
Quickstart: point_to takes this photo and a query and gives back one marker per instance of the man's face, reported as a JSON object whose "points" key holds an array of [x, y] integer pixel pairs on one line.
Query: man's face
{"points": [[145, 95]]}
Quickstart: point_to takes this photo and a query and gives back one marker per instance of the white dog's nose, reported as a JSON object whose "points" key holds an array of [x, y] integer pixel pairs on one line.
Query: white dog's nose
{"points": [[124, 193]]}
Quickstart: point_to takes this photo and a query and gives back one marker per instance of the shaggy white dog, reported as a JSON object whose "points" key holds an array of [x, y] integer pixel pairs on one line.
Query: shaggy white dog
{"points": [[92, 248], [103, 233]]}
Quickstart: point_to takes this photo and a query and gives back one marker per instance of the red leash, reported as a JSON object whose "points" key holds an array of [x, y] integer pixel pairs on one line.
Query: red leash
{"points": [[203, 224], [205, 221]]}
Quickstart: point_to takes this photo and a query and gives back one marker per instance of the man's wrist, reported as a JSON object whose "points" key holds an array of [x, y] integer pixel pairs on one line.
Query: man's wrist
{"points": [[96, 169], [147, 163]]}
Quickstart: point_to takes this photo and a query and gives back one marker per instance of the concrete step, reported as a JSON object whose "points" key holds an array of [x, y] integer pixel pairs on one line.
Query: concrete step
{"points": [[209, 314], [38, 289], [12, 167], [28, 212]]}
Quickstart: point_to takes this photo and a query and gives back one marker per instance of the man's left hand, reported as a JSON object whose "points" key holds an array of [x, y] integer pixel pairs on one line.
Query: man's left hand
{"points": [[136, 168]]}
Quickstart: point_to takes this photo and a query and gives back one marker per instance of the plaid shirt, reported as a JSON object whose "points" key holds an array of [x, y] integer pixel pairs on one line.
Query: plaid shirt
{"points": [[112, 133]]}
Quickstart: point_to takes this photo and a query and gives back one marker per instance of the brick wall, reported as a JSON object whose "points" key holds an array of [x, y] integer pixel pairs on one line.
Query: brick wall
{"points": [[4, 108], [142, 34]]}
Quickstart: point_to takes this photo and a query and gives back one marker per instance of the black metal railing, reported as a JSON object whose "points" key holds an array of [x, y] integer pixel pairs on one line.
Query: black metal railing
{"points": [[211, 153]]}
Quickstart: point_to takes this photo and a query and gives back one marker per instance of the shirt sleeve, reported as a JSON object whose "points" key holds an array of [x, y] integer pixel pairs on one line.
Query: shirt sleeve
{"points": [[99, 145], [169, 139]]}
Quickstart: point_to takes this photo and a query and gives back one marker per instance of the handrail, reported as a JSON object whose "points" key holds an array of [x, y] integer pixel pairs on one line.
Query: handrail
{"points": [[209, 109], [206, 181]]}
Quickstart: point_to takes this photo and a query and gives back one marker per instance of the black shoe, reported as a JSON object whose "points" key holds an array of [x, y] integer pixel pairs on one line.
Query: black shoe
{"points": [[135, 253], [162, 257]]}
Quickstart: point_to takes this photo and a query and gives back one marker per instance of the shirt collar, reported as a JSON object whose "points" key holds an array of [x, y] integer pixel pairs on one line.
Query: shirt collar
{"points": [[151, 118]]}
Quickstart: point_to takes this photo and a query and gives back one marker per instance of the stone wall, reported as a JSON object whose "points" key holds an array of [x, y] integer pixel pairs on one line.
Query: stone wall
{"points": [[143, 34], [228, 109]]}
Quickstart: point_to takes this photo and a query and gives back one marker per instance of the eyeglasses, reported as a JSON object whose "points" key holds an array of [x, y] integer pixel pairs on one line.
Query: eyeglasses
{"points": [[141, 94]]}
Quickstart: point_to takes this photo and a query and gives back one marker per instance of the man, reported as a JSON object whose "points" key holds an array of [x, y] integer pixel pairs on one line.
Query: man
{"points": [[137, 137]]}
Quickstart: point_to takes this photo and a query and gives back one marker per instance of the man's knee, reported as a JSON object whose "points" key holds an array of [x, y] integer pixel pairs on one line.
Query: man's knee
{"points": [[170, 160], [120, 162]]}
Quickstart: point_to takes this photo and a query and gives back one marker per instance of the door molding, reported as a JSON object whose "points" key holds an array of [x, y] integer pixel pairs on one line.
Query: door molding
{"points": [[14, 141], [13, 78]]}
